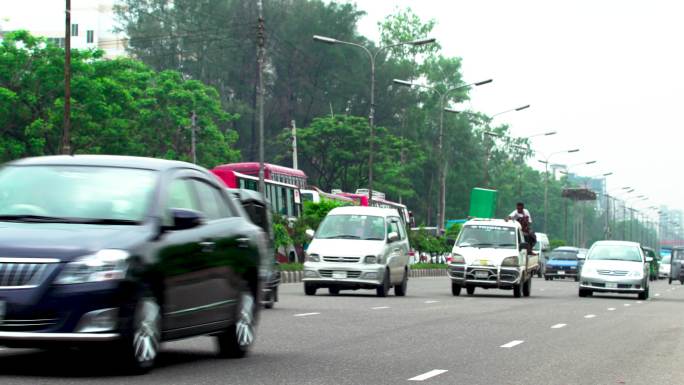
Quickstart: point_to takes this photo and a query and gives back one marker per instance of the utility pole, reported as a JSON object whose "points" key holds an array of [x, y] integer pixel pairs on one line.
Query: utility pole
{"points": [[193, 137], [260, 91], [66, 139], [295, 163]]}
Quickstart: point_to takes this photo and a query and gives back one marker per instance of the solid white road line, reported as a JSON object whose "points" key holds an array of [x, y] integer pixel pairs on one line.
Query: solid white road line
{"points": [[305, 314], [627, 305], [380, 307], [512, 344], [431, 301], [558, 326], [611, 309], [590, 316], [430, 374]]}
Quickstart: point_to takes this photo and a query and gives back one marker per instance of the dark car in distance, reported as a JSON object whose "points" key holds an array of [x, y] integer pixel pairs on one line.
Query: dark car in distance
{"points": [[562, 263], [124, 253]]}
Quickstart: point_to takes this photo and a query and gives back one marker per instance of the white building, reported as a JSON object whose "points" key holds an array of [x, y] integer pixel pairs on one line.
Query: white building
{"points": [[92, 23]]}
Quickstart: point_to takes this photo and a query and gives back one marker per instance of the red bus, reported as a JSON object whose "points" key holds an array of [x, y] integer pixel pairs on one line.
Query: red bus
{"points": [[271, 171], [284, 199]]}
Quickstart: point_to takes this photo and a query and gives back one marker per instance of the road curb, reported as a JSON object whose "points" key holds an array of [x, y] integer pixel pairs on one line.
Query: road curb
{"points": [[296, 276]]}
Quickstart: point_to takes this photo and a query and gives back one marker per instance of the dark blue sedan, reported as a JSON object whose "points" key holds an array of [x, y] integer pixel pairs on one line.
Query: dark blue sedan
{"points": [[562, 263]]}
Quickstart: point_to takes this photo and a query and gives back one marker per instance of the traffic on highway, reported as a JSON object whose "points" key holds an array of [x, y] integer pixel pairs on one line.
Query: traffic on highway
{"points": [[341, 192]]}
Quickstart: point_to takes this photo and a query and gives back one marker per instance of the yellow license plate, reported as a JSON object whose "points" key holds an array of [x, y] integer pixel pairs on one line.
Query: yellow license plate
{"points": [[484, 262]]}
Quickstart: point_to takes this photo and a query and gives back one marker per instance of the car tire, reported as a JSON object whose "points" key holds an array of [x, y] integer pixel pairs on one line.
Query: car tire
{"points": [[271, 299], [681, 281], [669, 280], [576, 278], [141, 338], [470, 290], [585, 293], [400, 289], [334, 290], [310, 289], [644, 295], [455, 289], [547, 278], [527, 288], [239, 337], [539, 273], [517, 290], [384, 287]]}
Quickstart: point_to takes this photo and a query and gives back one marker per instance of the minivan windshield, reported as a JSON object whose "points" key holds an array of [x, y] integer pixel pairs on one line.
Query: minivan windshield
{"points": [[615, 253], [487, 236], [665, 260], [78, 194], [365, 227], [563, 255]]}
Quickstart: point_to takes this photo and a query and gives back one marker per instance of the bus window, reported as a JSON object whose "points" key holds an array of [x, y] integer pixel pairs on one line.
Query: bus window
{"points": [[290, 203]]}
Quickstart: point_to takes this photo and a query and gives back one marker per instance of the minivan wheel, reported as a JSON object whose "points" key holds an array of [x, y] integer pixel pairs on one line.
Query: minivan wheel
{"points": [[309, 289], [140, 343], [455, 289], [271, 299], [384, 287], [400, 289], [644, 294], [239, 337]]}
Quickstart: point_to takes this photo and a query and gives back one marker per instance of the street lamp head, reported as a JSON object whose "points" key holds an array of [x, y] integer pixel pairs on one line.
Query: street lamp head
{"points": [[324, 39], [627, 188], [484, 82], [523, 107], [492, 133], [573, 150], [452, 111], [550, 133], [590, 162], [608, 174], [542, 161], [403, 82], [429, 40]]}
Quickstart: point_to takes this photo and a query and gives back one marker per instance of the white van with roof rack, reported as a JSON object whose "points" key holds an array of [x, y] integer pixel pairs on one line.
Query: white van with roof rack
{"points": [[492, 254]]}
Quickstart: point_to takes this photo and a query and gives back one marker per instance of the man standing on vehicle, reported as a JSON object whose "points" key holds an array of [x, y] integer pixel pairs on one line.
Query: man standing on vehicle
{"points": [[521, 215]]}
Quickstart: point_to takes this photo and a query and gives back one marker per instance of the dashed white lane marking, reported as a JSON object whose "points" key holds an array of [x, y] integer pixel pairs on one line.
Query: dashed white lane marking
{"points": [[380, 307], [512, 344], [541, 289], [611, 309], [590, 316], [431, 301], [305, 314], [657, 294], [558, 326], [639, 302], [430, 374], [627, 305]]}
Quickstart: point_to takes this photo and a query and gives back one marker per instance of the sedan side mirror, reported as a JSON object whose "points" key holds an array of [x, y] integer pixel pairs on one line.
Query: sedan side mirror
{"points": [[185, 219], [393, 237], [581, 256], [310, 233], [649, 259], [523, 246]]}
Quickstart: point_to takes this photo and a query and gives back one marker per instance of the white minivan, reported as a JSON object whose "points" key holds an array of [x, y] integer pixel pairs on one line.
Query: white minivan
{"points": [[358, 247]]}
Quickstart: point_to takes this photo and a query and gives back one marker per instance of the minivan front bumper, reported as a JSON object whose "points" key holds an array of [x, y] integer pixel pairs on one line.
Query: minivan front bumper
{"points": [[351, 275]]}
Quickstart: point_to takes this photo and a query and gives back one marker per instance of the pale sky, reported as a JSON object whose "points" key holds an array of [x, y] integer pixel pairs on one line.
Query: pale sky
{"points": [[607, 75]]}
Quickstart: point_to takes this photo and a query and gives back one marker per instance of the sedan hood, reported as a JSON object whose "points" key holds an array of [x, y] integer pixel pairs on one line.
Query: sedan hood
{"points": [[345, 247], [614, 265], [493, 256], [65, 241]]}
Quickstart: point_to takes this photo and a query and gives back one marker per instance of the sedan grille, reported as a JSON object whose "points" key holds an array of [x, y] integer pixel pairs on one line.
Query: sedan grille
{"points": [[329, 273], [341, 259], [22, 274], [25, 325], [616, 273]]}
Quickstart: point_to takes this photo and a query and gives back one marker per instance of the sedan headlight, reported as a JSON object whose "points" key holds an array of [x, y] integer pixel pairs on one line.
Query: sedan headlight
{"points": [[636, 274], [457, 259], [313, 258], [510, 262], [105, 265]]}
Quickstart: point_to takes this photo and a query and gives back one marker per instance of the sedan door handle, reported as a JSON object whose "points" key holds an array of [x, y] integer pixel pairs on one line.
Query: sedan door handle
{"points": [[208, 246], [243, 242]]}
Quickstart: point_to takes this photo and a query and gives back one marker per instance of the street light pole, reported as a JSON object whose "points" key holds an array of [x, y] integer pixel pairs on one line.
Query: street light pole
{"points": [[66, 134], [371, 115], [490, 133]]}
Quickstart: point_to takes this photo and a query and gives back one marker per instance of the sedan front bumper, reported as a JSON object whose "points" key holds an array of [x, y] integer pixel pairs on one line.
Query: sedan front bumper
{"points": [[610, 284]]}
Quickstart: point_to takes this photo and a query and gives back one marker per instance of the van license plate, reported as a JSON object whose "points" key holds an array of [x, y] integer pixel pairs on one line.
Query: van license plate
{"points": [[561, 272], [481, 274], [611, 285], [339, 274]]}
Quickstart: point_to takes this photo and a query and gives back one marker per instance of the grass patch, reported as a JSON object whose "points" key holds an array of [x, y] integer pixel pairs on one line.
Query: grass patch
{"points": [[291, 266], [421, 266]]}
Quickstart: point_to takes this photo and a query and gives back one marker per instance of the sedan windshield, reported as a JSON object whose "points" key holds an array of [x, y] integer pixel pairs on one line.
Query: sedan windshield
{"points": [[615, 253], [75, 194], [364, 227], [487, 236], [563, 256]]}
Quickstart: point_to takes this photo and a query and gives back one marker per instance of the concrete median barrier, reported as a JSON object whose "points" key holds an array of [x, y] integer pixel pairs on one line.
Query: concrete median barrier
{"points": [[296, 276]]}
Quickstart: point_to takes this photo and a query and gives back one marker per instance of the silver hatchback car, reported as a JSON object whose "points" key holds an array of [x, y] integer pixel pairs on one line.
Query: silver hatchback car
{"points": [[615, 267], [358, 248]]}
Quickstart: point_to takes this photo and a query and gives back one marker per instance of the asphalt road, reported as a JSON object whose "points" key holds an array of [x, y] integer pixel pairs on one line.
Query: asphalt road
{"points": [[553, 337]]}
